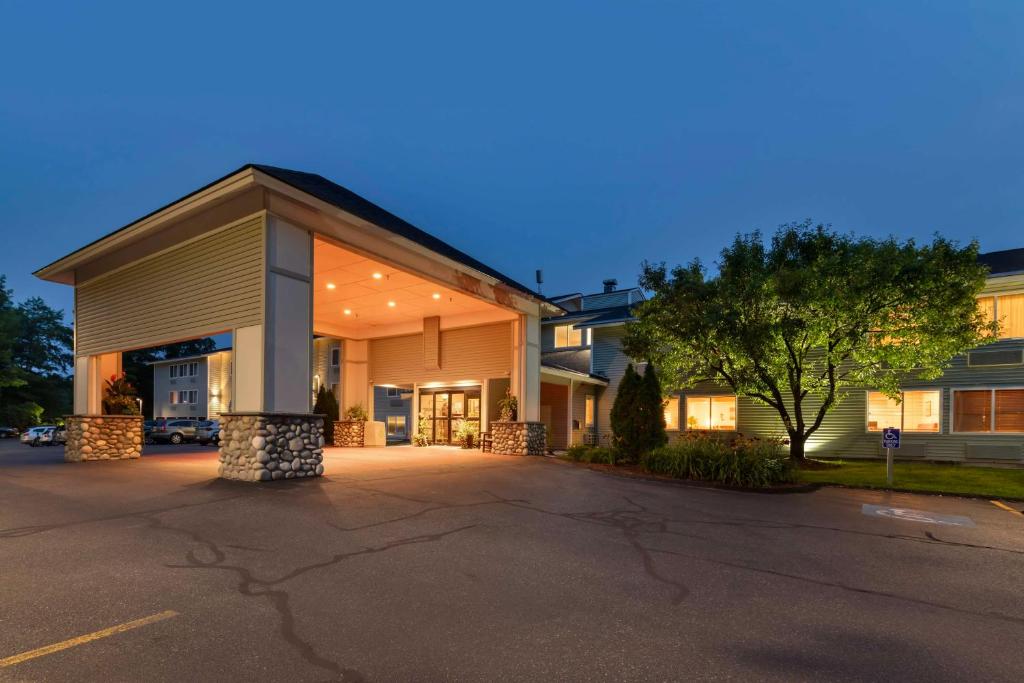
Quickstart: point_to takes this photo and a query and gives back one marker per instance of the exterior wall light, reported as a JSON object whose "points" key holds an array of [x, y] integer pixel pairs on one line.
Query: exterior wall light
{"points": [[436, 296], [331, 285], [377, 276], [391, 304], [347, 311]]}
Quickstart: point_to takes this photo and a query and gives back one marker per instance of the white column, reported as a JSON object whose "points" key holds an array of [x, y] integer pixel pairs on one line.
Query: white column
{"points": [[529, 400], [355, 373], [288, 332]]}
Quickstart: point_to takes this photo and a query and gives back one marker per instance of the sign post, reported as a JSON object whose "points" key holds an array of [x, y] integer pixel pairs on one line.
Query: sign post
{"points": [[890, 440]]}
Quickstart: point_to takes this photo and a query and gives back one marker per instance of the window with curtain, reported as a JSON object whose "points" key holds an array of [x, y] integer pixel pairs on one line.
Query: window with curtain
{"points": [[711, 412], [1008, 309], [919, 411], [988, 410]]}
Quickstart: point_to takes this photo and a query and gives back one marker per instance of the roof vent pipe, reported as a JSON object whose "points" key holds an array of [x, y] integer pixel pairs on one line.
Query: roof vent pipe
{"points": [[610, 284]]}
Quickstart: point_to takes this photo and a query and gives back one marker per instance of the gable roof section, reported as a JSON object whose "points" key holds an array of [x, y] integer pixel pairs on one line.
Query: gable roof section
{"points": [[1003, 262], [327, 191]]}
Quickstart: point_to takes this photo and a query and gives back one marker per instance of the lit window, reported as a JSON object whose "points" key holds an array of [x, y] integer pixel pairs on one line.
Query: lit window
{"points": [[565, 336], [588, 417], [1008, 309], [988, 410], [672, 413], [918, 412], [711, 412], [396, 425]]}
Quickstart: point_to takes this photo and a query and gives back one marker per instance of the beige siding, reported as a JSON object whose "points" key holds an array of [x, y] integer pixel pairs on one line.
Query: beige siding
{"points": [[209, 285], [219, 368], [467, 353]]}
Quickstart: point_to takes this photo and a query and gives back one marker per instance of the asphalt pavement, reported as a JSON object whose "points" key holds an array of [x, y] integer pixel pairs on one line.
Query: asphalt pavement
{"points": [[443, 564]]}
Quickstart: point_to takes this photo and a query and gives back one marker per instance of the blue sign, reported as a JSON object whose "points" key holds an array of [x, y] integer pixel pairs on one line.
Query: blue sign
{"points": [[890, 437]]}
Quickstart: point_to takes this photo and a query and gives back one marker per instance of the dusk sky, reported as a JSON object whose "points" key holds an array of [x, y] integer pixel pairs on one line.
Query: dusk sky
{"points": [[581, 138]]}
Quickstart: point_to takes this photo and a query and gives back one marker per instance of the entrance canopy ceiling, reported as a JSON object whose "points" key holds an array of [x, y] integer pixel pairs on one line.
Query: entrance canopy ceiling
{"points": [[358, 298]]}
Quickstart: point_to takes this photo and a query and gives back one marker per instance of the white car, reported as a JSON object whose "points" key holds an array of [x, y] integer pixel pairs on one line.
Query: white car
{"points": [[32, 436]]}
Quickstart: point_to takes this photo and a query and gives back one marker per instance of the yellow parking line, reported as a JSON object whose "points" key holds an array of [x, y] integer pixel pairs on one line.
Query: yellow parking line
{"points": [[88, 637], [1004, 506]]}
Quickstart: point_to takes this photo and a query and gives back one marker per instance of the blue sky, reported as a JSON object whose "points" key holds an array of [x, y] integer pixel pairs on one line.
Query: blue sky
{"points": [[581, 138]]}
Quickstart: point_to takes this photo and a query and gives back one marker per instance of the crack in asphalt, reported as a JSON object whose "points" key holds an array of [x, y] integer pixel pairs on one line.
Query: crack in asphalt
{"points": [[251, 586], [841, 586]]}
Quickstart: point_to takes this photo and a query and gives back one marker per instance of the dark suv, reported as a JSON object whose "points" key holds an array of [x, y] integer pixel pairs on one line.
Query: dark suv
{"points": [[173, 431]]}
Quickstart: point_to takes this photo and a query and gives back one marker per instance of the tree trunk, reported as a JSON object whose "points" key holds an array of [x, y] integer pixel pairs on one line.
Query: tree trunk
{"points": [[797, 443]]}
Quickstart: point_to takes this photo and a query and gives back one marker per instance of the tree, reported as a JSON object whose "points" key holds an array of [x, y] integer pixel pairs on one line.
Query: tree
{"points": [[649, 405], [44, 339], [10, 332], [626, 427], [327, 404], [793, 323]]}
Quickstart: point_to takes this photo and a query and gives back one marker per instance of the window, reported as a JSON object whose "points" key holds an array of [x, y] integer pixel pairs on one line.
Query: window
{"points": [[1008, 309], [394, 392], [565, 335], [988, 410], [588, 412], [190, 396], [918, 412], [174, 373], [184, 370], [335, 357], [672, 413], [396, 425], [711, 412]]}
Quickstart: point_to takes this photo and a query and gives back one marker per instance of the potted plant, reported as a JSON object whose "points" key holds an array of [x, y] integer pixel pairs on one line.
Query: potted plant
{"points": [[421, 439], [509, 407], [356, 413], [466, 434], [119, 396]]}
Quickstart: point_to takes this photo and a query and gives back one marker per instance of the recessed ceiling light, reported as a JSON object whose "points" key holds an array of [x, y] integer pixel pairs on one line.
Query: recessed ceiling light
{"points": [[436, 296], [377, 276], [331, 285], [347, 311], [391, 304]]}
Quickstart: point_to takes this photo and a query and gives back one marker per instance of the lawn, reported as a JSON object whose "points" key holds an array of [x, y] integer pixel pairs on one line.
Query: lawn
{"points": [[987, 482]]}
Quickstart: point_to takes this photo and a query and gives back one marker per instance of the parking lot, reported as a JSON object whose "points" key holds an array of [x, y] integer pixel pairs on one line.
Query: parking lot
{"points": [[439, 563]]}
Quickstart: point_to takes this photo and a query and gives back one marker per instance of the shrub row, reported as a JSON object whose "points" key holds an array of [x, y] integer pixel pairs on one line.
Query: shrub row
{"points": [[745, 462], [735, 461]]}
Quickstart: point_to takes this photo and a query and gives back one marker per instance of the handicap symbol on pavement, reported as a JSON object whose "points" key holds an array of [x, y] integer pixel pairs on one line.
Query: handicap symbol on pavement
{"points": [[909, 515]]}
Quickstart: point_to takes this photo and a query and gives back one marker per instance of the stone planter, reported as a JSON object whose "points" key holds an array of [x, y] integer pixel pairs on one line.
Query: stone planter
{"points": [[103, 437], [350, 433], [518, 438], [271, 446]]}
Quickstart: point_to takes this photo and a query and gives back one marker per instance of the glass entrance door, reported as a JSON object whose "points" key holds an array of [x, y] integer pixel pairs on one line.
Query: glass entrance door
{"points": [[446, 410]]}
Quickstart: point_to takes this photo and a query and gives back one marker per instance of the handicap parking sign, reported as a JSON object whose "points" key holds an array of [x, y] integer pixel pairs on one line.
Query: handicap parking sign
{"points": [[890, 437]]}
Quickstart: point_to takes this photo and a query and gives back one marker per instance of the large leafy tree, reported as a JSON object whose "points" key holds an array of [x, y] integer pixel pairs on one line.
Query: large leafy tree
{"points": [[35, 360], [792, 322]]}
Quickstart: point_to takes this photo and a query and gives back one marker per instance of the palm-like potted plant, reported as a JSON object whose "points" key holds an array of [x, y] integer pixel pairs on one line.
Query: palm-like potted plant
{"points": [[119, 396], [509, 407]]}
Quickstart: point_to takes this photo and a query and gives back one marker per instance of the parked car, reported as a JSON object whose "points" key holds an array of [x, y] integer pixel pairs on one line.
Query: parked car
{"points": [[31, 436], [8, 432], [174, 431], [53, 436], [208, 432]]}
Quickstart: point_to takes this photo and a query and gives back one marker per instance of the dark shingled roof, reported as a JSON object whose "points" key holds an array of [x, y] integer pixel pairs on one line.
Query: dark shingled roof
{"points": [[1003, 262], [349, 201], [577, 360]]}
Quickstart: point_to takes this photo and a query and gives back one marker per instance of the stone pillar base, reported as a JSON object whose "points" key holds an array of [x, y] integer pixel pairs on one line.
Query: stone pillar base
{"points": [[103, 437], [518, 438], [271, 446], [350, 433]]}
